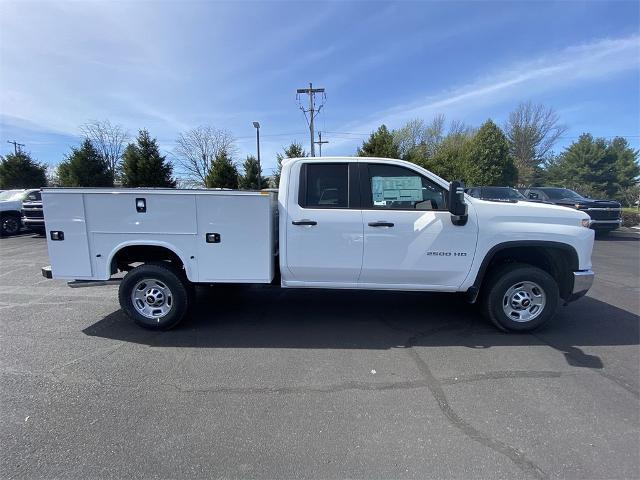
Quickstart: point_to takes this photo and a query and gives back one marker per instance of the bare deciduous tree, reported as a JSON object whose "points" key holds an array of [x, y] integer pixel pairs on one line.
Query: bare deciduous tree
{"points": [[108, 139], [416, 133], [532, 130], [197, 148]]}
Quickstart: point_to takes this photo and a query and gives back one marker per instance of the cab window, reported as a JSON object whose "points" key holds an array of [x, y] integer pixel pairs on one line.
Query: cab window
{"points": [[393, 187], [34, 196], [324, 185]]}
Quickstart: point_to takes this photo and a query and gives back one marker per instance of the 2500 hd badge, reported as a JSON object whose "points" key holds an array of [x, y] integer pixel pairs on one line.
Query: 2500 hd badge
{"points": [[446, 254]]}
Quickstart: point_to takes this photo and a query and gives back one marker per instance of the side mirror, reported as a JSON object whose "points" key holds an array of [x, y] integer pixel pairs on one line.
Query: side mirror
{"points": [[533, 196], [457, 206]]}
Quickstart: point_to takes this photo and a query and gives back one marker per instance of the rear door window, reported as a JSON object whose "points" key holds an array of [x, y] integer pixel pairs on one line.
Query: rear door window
{"points": [[324, 185]]}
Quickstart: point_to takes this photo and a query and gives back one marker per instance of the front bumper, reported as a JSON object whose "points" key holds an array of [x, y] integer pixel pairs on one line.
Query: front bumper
{"points": [[608, 224], [32, 222], [582, 281]]}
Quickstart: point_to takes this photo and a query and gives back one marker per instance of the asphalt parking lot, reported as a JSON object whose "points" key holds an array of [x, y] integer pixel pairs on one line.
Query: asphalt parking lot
{"points": [[269, 383]]}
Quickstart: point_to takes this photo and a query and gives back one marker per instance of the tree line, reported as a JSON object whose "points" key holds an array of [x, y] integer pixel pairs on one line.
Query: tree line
{"points": [[520, 153]]}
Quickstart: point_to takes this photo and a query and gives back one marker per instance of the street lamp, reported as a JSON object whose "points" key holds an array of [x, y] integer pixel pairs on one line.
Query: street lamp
{"points": [[257, 127]]}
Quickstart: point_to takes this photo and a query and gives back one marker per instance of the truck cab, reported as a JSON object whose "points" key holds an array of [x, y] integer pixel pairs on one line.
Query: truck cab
{"points": [[338, 222]]}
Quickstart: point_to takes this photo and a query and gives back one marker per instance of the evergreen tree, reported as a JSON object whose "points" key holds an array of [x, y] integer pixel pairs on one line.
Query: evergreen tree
{"points": [[85, 167], [379, 144], [143, 166], [488, 161], [595, 167], [223, 174], [19, 170], [626, 165], [252, 178], [294, 150]]}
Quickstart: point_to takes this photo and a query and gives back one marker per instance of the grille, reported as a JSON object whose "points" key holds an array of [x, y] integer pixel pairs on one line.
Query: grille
{"points": [[604, 214], [32, 212]]}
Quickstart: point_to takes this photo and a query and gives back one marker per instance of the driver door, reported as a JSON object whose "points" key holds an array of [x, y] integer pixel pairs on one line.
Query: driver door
{"points": [[409, 239]]}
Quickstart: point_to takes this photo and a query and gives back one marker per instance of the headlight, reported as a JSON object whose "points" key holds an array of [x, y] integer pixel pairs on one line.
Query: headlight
{"points": [[586, 222]]}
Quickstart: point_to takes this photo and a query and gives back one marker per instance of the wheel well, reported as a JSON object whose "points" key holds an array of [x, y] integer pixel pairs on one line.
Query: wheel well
{"points": [[10, 213], [132, 254], [557, 260]]}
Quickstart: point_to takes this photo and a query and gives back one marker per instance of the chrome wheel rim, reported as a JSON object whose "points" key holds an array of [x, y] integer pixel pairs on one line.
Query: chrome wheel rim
{"points": [[10, 225], [524, 301], [152, 298]]}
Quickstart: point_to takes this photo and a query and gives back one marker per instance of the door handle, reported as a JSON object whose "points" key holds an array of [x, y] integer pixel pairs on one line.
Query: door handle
{"points": [[304, 221], [380, 224]]}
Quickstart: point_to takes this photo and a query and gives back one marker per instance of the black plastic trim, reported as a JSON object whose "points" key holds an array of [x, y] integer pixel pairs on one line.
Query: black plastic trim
{"points": [[521, 243], [355, 197]]}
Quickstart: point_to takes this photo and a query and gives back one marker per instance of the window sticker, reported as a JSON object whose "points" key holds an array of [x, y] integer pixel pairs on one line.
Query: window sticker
{"points": [[402, 189]]}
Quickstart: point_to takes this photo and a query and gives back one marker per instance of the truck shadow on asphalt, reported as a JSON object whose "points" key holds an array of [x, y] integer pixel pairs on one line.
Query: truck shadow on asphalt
{"points": [[269, 317]]}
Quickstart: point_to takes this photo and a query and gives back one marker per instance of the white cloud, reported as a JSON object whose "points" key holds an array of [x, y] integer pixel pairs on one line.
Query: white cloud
{"points": [[574, 65]]}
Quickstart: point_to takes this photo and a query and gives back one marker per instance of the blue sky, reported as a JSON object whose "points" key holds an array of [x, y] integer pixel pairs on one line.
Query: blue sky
{"points": [[168, 66]]}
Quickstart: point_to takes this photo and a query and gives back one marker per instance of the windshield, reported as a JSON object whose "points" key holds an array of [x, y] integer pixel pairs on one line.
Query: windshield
{"points": [[560, 193], [502, 193], [11, 195]]}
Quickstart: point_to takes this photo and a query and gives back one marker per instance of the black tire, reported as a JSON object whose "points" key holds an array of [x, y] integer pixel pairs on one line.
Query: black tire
{"points": [[157, 273], [506, 277], [9, 225]]}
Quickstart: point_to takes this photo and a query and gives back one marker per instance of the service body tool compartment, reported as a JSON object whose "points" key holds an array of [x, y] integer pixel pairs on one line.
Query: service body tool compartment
{"points": [[219, 235], [241, 239], [64, 215]]}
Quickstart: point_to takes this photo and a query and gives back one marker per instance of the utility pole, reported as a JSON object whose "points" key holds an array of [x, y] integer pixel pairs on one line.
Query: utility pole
{"points": [[257, 127], [320, 142], [16, 146], [313, 112]]}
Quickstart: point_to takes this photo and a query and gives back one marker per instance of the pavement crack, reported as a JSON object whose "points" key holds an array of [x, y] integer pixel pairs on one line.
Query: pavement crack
{"points": [[518, 458], [334, 388], [499, 375]]}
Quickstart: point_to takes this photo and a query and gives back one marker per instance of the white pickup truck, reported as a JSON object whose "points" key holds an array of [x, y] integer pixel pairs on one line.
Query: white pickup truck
{"points": [[355, 223]]}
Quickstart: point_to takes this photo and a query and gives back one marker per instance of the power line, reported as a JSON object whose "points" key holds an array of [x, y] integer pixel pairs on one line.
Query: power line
{"points": [[273, 135], [563, 137], [312, 111]]}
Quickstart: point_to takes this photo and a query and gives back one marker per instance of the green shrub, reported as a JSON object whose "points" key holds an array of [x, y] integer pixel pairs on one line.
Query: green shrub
{"points": [[630, 219]]}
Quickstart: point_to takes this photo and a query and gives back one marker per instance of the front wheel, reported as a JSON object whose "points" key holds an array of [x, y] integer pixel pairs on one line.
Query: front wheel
{"points": [[519, 297], [9, 225], [155, 295]]}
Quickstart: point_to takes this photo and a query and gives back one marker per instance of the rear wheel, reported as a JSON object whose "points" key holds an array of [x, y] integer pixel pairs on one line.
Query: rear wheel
{"points": [[9, 225], [519, 297], [155, 295]]}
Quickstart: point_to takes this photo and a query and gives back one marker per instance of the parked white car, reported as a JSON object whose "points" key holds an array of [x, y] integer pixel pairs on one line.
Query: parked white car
{"points": [[354, 223], [10, 209]]}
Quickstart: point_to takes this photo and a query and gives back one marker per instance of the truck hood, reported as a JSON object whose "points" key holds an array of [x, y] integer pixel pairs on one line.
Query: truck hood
{"points": [[527, 212], [7, 205], [587, 203]]}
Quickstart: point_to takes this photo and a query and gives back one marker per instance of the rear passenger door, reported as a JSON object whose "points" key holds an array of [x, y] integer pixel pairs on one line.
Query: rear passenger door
{"points": [[324, 224]]}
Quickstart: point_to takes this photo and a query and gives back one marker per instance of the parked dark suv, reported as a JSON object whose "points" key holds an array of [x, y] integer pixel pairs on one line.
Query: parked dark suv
{"points": [[606, 215]]}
